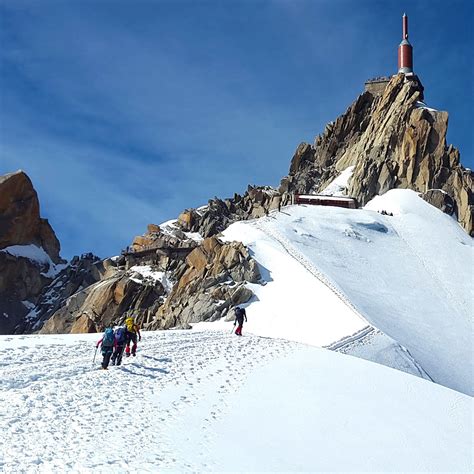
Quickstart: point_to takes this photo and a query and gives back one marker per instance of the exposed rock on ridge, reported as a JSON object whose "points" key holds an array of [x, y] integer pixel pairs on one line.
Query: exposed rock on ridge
{"points": [[393, 141]]}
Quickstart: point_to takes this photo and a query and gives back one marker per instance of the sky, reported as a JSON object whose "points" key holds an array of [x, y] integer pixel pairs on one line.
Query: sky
{"points": [[124, 113]]}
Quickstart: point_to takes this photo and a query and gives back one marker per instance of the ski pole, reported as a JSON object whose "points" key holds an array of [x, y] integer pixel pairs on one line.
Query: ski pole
{"points": [[233, 327], [93, 361]]}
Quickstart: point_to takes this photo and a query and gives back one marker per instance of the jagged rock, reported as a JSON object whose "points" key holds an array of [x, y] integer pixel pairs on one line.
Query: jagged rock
{"points": [[153, 229], [214, 279], [392, 141], [186, 220], [107, 302], [22, 279], [20, 221], [80, 273], [440, 199]]}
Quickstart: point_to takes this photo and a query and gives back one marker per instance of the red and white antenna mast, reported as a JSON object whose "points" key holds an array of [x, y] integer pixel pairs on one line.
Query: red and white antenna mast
{"points": [[405, 50]]}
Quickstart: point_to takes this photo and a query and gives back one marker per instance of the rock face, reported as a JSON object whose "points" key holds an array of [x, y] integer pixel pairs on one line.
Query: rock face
{"points": [[181, 272], [162, 287], [393, 141], [80, 273], [20, 221], [29, 250], [213, 280], [107, 302]]}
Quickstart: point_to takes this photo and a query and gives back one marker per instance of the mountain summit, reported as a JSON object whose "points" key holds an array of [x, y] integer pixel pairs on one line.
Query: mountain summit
{"points": [[181, 272], [392, 140]]}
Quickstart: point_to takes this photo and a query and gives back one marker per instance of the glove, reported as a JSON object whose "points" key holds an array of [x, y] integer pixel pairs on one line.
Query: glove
{"points": [[140, 339]]}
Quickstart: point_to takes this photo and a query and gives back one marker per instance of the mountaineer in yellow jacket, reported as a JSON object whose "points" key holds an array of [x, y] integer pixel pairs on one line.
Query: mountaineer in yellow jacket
{"points": [[133, 330]]}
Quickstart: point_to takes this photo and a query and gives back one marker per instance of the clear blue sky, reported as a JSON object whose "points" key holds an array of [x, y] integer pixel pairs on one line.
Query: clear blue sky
{"points": [[126, 112]]}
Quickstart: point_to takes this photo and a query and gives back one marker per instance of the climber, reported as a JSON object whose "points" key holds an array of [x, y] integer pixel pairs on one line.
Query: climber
{"points": [[133, 330], [107, 344], [239, 318], [120, 341]]}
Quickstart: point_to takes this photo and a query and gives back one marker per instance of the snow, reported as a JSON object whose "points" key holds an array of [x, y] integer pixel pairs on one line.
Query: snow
{"points": [[341, 289], [207, 401], [422, 105], [38, 256], [196, 236], [338, 187], [332, 272], [147, 272]]}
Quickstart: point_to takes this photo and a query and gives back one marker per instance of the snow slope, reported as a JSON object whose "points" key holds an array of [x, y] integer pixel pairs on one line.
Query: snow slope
{"points": [[200, 401], [331, 272]]}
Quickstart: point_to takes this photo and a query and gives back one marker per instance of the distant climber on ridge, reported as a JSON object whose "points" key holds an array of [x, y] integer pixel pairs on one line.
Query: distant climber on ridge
{"points": [[240, 314]]}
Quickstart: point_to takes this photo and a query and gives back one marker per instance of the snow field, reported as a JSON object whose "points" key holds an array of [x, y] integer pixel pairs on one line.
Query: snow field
{"points": [[195, 401], [408, 275], [62, 414]]}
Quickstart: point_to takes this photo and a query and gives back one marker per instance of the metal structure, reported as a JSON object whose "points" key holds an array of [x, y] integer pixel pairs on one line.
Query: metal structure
{"points": [[405, 50]]}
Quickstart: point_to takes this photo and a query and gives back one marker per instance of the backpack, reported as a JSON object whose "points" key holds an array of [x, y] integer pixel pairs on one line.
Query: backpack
{"points": [[108, 339], [120, 335], [130, 323], [239, 313]]}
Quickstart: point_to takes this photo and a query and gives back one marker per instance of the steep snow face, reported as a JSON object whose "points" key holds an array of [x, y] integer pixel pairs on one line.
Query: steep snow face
{"points": [[202, 401], [408, 275]]}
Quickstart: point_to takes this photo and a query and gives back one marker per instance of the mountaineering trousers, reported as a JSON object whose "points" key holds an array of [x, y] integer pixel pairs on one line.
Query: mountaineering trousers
{"points": [[118, 353], [106, 352], [131, 337]]}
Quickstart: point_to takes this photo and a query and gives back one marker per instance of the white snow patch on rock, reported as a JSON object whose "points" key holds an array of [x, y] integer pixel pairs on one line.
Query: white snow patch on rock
{"points": [[338, 187]]}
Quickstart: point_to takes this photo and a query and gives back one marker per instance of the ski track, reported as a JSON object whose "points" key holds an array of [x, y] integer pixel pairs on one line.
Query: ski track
{"points": [[269, 230], [362, 337], [53, 394]]}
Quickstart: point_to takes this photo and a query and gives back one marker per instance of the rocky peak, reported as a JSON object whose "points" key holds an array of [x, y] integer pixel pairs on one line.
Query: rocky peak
{"points": [[20, 221], [29, 250], [393, 140]]}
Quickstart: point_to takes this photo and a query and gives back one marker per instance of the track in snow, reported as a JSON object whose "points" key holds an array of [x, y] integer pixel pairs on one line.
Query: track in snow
{"points": [[80, 417], [364, 336]]}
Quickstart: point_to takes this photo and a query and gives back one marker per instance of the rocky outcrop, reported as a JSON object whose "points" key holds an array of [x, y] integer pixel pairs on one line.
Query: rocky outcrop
{"points": [[213, 281], [29, 250], [170, 276], [20, 221], [162, 292], [218, 214], [393, 141], [80, 273], [106, 302]]}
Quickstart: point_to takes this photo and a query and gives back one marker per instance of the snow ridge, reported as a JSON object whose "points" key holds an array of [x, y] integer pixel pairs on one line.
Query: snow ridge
{"points": [[299, 257]]}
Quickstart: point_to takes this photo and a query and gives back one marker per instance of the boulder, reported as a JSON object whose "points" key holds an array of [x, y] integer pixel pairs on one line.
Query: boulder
{"points": [[440, 199]]}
